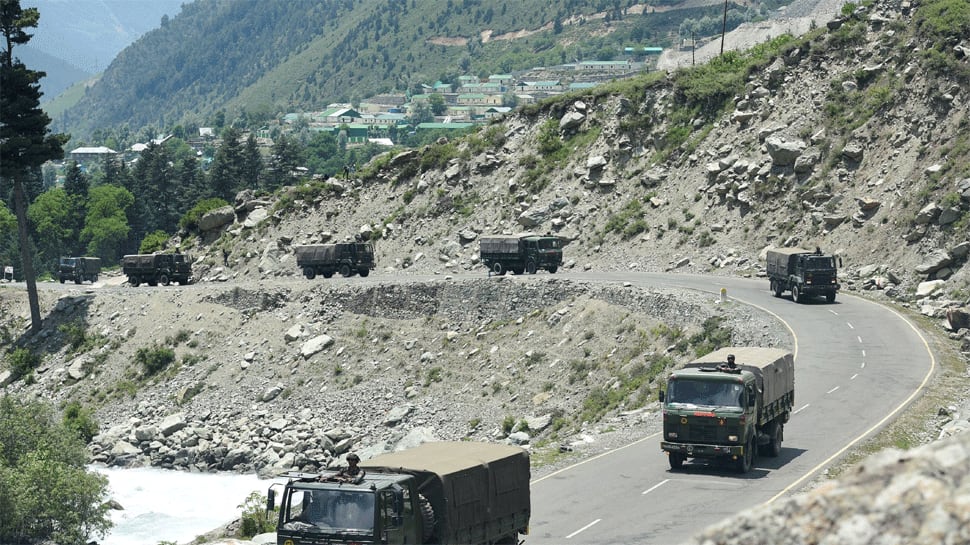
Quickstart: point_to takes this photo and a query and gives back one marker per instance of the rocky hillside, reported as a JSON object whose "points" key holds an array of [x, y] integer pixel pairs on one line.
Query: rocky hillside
{"points": [[850, 138]]}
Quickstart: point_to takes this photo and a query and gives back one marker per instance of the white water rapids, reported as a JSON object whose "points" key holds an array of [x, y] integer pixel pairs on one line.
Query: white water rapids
{"points": [[176, 506]]}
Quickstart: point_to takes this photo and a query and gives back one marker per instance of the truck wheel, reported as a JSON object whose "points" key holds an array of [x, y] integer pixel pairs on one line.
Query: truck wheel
{"points": [[498, 269], [345, 270], [164, 280], [427, 519], [134, 281], [830, 297], [774, 445], [553, 269], [94, 278], [309, 273], [518, 270], [530, 267], [796, 294], [62, 280], [676, 460], [745, 461], [77, 280], [363, 271], [327, 274]]}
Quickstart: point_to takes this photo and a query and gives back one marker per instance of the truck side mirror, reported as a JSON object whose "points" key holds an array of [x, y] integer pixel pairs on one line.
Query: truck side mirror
{"points": [[270, 500], [660, 396], [840, 261]]}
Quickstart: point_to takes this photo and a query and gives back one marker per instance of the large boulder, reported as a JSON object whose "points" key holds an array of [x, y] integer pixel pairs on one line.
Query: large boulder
{"points": [[215, 219], [784, 152]]}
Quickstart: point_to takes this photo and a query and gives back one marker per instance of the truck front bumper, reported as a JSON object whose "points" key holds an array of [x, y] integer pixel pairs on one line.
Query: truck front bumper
{"points": [[701, 450], [820, 289]]}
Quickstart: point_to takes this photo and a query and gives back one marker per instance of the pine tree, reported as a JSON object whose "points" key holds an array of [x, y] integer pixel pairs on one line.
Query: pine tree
{"points": [[25, 142]]}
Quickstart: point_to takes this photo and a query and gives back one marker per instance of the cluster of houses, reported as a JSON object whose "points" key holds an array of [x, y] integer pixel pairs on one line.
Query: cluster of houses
{"points": [[466, 102]]}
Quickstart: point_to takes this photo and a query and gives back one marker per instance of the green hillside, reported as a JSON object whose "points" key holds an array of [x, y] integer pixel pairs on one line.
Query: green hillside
{"points": [[256, 60]]}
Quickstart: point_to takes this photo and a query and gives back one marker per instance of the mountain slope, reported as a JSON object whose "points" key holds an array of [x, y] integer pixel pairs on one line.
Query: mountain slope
{"points": [[264, 59]]}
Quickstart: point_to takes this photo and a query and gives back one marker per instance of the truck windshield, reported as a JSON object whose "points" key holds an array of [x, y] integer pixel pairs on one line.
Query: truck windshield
{"points": [[714, 393], [68, 261], [819, 264], [330, 511], [548, 243]]}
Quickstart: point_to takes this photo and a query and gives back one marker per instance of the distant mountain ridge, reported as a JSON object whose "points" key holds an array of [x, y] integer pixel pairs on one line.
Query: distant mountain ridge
{"points": [[76, 39], [259, 59]]}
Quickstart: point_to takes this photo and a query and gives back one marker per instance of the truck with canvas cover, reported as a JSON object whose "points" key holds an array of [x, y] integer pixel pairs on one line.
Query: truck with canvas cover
{"points": [[442, 492], [346, 258], [78, 269], [155, 269], [712, 409], [521, 253], [803, 272]]}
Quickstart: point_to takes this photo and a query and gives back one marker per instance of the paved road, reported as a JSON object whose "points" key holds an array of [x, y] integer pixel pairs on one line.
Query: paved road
{"points": [[857, 365]]}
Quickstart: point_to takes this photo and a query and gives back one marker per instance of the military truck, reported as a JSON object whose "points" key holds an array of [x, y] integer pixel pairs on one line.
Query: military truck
{"points": [[345, 258], [521, 253], [441, 492], [803, 272], [713, 410], [155, 269], [78, 269]]}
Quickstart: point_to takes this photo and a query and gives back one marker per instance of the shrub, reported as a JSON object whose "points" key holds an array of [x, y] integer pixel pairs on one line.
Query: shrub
{"points": [[191, 218], [81, 421], [254, 518], [153, 242], [154, 359], [48, 496], [23, 362]]}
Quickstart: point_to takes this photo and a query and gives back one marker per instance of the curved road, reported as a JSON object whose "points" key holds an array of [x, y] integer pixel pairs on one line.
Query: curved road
{"points": [[857, 365]]}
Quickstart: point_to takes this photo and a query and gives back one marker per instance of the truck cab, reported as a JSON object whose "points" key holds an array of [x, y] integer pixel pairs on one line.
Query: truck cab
{"points": [[329, 511], [716, 408]]}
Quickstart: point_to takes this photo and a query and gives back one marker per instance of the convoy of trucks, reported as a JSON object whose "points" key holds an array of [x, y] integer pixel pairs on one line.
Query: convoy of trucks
{"points": [[523, 253], [78, 269], [803, 272], [155, 269], [326, 259], [713, 410], [442, 492]]}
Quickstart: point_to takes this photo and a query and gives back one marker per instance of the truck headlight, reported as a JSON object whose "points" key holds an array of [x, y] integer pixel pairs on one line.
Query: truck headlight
{"points": [[733, 438], [672, 435]]}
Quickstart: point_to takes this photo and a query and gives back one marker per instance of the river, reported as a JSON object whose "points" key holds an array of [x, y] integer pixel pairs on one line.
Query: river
{"points": [[174, 506]]}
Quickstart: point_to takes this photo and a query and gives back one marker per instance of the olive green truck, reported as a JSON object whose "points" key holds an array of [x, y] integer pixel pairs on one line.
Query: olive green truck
{"points": [[523, 253], [345, 258], [711, 410], [802, 272], [441, 492]]}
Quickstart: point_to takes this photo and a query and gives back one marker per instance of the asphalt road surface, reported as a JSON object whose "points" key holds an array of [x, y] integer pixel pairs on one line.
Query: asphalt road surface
{"points": [[857, 365]]}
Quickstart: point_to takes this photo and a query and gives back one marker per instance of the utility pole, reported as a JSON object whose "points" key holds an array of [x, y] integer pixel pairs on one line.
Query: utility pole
{"points": [[723, 26], [693, 47]]}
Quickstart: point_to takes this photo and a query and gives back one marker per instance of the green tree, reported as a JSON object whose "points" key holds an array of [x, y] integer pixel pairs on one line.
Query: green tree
{"points": [[287, 155], [25, 142], [225, 173], [438, 106], [55, 224], [106, 225], [75, 181], [8, 237], [47, 493], [252, 163]]}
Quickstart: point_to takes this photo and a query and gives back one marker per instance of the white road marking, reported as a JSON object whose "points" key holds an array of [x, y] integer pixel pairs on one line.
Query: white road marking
{"points": [[850, 325], [833, 312], [863, 366], [853, 376], [860, 339], [654, 487], [800, 409], [587, 527], [832, 390], [863, 352]]}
